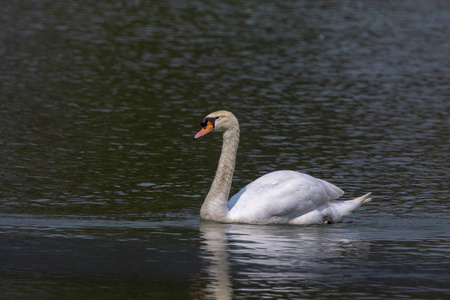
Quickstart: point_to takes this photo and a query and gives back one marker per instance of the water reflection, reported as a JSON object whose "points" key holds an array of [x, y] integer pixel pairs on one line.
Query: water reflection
{"points": [[277, 260], [215, 245]]}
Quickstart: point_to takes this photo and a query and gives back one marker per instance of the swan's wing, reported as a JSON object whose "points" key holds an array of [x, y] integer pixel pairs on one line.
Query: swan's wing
{"points": [[279, 197]]}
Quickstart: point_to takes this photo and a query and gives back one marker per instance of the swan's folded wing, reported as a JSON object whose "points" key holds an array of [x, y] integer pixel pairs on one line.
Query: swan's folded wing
{"points": [[279, 197]]}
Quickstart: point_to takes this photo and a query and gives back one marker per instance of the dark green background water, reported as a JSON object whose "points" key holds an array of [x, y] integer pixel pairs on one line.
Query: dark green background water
{"points": [[101, 182]]}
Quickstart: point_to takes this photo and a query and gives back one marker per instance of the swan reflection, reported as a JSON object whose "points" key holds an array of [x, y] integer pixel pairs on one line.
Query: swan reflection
{"points": [[276, 260]]}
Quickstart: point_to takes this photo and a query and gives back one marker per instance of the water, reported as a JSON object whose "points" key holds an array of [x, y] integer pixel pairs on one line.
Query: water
{"points": [[101, 181]]}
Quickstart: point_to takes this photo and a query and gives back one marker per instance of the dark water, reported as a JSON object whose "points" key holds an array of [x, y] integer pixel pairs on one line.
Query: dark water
{"points": [[101, 182]]}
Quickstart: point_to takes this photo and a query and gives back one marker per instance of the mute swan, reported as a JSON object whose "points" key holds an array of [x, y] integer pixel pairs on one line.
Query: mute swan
{"points": [[278, 197]]}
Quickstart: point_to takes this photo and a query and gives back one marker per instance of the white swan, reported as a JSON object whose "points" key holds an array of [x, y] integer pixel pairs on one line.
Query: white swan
{"points": [[278, 197]]}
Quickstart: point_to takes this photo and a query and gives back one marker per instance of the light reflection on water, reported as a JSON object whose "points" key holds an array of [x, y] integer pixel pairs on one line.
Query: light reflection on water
{"points": [[227, 261], [283, 261]]}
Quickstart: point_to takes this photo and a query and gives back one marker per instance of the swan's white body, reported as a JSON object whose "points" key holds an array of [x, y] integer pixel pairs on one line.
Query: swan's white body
{"points": [[278, 197]]}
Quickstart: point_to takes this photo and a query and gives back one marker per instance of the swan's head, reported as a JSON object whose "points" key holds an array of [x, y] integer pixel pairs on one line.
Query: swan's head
{"points": [[219, 121]]}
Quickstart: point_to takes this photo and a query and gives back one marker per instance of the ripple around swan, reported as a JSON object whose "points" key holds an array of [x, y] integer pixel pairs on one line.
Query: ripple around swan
{"points": [[313, 260]]}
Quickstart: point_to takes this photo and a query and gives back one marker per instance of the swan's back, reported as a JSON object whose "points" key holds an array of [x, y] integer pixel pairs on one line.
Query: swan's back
{"points": [[279, 197]]}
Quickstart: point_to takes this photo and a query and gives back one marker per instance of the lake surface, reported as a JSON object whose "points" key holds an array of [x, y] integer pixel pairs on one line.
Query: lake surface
{"points": [[101, 181]]}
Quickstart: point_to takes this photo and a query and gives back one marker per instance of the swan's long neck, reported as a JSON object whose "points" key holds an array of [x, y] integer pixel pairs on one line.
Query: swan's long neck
{"points": [[215, 205]]}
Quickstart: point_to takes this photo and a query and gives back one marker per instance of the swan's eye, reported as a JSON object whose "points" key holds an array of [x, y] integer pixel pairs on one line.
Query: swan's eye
{"points": [[211, 120]]}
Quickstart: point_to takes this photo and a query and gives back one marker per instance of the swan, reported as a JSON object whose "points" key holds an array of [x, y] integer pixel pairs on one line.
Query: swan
{"points": [[288, 197]]}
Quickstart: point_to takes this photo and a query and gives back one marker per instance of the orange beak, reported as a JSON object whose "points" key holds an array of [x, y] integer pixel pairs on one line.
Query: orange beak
{"points": [[207, 129]]}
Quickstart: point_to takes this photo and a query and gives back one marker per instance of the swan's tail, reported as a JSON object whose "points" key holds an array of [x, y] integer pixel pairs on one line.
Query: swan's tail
{"points": [[338, 210], [360, 200]]}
